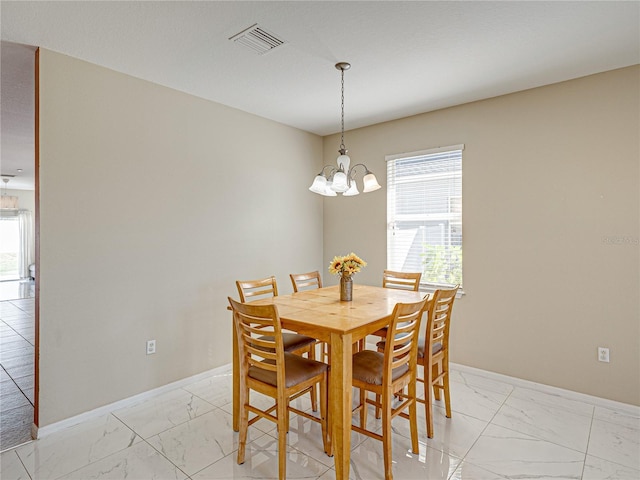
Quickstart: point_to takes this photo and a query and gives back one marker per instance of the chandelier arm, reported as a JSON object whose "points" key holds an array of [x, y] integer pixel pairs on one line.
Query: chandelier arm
{"points": [[352, 172], [331, 168]]}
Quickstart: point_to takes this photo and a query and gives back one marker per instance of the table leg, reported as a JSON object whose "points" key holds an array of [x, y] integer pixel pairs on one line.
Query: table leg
{"points": [[236, 382], [340, 402]]}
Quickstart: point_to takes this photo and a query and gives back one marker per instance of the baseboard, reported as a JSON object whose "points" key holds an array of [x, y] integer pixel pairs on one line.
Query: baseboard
{"points": [[41, 432], [570, 394], [602, 402]]}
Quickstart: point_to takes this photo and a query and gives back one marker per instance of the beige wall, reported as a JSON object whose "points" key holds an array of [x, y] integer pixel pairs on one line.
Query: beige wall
{"points": [[551, 213], [153, 203]]}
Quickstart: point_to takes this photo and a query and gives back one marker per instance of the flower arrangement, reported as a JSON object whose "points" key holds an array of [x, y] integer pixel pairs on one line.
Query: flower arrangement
{"points": [[347, 265]]}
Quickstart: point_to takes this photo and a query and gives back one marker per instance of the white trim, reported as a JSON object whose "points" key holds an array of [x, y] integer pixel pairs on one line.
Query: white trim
{"points": [[126, 402], [583, 397], [570, 394], [422, 153]]}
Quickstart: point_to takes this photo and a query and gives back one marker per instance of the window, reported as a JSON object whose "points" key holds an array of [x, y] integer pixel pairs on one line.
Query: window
{"points": [[424, 214], [9, 248]]}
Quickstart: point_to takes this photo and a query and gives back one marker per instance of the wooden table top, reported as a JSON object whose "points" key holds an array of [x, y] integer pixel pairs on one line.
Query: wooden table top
{"points": [[322, 308]]}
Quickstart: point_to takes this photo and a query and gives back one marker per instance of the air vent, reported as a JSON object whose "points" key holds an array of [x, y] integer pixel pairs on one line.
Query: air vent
{"points": [[257, 39]]}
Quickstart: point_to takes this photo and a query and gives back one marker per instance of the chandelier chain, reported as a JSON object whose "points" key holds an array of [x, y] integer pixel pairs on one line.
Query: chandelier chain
{"points": [[342, 109]]}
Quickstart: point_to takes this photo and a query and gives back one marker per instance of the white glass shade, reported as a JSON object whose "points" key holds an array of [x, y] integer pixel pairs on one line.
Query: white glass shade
{"points": [[344, 161], [319, 185], [353, 189], [370, 183], [339, 182], [329, 191]]}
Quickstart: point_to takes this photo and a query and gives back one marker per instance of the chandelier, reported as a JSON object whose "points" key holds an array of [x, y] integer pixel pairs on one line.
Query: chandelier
{"points": [[331, 180]]}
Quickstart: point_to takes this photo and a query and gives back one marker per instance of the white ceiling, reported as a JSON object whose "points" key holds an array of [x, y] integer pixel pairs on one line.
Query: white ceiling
{"points": [[407, 57]]}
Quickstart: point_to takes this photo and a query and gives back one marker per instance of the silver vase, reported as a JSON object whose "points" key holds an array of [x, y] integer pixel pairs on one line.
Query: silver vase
{"points": [[346, 288]]}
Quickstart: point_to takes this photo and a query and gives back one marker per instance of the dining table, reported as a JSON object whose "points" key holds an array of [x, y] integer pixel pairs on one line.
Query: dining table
{"points": [[319, 313]]}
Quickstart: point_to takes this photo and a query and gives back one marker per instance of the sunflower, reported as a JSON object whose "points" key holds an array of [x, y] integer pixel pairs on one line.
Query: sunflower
{"points": [[346, 265]]}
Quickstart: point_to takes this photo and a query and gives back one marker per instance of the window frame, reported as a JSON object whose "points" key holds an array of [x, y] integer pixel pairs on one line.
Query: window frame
{"points": [[425, 286]]}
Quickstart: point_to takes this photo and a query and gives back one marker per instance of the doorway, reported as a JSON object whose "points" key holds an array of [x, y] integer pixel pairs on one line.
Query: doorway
{"points": [[18, 222]]}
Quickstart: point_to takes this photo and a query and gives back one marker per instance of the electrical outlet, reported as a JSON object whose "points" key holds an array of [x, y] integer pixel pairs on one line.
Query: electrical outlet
{"points": [[151, 347], [603, 354]]}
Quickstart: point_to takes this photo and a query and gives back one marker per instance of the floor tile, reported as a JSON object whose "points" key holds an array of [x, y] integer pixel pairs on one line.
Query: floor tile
{"points": [[14, 343], [306, 436], [7, 387], [469, 471], [453, 436], [11, 467], [517, 455], [200, 442], [215, 390], [16, 426], [598, 469], [554, 400], [163, 412], [19, 361], [475, 401], [367, 462], [616, 443], [76, 447], [463, 376], [14, 398], [20, 371], [618, 417], [26, 384], [545, 422], [20, 352], [261, 462], [497, 431], [137, 462]]}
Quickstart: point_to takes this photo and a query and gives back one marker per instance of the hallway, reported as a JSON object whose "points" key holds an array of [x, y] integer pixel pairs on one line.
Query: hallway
{"points": [[17, 342]]}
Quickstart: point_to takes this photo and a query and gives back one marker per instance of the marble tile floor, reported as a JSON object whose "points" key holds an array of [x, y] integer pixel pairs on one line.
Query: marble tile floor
{"points": [[17, 368], [499, 430]]}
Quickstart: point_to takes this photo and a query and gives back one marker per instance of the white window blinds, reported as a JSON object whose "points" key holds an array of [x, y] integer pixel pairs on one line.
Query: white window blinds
{"points": [[424, 214]]}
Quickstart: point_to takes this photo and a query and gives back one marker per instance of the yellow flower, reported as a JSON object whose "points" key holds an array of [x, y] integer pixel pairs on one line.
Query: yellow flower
{"points": [[336, 265], [346, 265]]}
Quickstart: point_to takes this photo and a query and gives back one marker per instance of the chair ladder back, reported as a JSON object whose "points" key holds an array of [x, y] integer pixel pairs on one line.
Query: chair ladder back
{"points": [[254, 288], [303, 281], [259, 336], [440, 317], [401, 280], [402, 336]]}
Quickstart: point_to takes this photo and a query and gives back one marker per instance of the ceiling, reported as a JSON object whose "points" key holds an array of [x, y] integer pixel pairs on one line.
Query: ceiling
{"points": [[407, 57]]}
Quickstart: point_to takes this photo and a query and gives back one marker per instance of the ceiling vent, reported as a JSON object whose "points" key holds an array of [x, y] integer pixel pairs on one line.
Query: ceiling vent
{"points": [[257, 39]]}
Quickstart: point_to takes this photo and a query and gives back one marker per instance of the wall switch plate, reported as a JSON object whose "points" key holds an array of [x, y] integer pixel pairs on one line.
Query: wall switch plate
{"points": [[603, 354], [151, 347]]}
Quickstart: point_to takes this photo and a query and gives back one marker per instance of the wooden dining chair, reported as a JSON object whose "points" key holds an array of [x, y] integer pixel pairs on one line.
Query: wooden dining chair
{"points": [[292, 342], [388, 373], [433, 352], [305, 281], [399, 281], [266, 368], [310, 281]]}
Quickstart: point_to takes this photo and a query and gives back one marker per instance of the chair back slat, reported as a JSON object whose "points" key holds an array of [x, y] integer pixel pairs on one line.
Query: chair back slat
{"points": [[257, 288], [402, 338], [259, 337], [439, 317], [401, 280], [305, 281]]}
